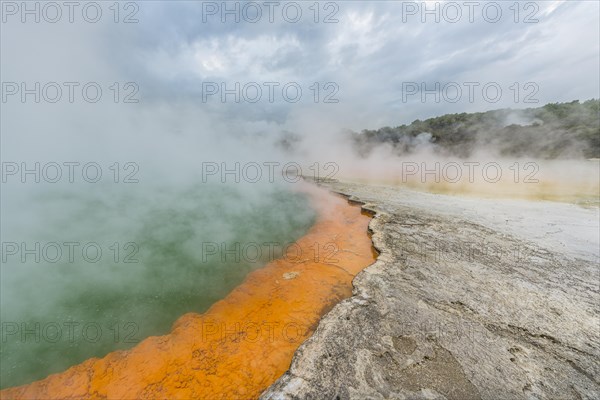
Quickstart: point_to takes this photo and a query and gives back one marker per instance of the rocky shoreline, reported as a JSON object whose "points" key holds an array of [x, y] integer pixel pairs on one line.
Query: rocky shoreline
{"points": [[468, 299]]}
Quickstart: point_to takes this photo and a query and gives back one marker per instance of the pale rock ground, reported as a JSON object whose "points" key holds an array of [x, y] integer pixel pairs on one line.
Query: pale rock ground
{"points": [[469, 299]]}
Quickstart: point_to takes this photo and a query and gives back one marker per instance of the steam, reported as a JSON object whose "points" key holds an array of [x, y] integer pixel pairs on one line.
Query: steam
{"points": [[171, 136], [543, 163]]}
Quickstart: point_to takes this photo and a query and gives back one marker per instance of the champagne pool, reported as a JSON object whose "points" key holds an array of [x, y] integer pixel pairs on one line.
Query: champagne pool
{"points": [[244, 342], [117, 264]]}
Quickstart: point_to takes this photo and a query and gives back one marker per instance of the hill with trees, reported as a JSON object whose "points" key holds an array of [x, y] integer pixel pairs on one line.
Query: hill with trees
{"points": [[556, 130]]}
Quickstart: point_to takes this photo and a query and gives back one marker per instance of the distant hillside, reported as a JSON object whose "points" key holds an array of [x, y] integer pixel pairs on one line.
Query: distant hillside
{"points": [[552, 131]]}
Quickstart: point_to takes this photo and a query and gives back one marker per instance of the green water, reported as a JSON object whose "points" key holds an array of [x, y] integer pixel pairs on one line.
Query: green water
{"points": [[57, 314]]}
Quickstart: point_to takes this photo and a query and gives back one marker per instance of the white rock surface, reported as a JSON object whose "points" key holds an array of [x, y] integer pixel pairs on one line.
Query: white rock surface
{"points": [[469, 299]]}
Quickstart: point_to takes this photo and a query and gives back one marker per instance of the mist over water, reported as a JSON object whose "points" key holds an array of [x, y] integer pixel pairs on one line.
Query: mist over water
{"points": [[153, 233], [159, 261]]}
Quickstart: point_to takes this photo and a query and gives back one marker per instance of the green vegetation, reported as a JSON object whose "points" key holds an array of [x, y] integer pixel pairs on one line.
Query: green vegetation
{"points": [[564, 130]]}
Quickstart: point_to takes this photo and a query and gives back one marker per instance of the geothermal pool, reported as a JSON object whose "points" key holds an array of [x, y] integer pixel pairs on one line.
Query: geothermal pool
{"points": [[89, 270], [237, 324]]}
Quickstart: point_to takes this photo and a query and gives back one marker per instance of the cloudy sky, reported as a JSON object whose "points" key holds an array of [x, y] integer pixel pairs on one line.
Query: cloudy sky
{"points": [[358, 64]]}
